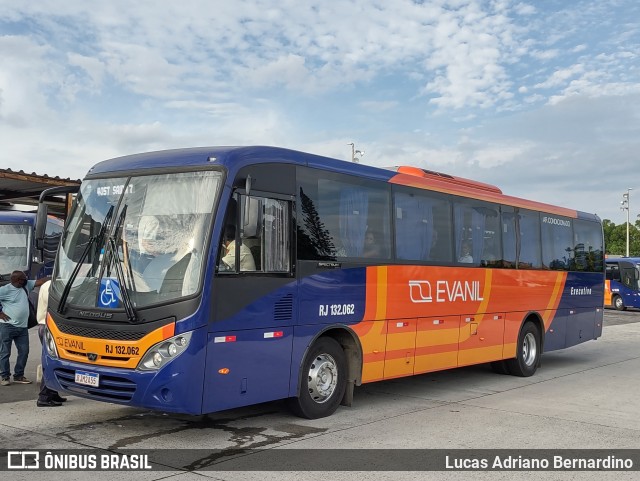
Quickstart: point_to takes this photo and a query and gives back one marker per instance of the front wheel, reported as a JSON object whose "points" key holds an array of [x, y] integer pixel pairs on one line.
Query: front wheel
{"points": [[528, 354], [323, 380], [618, 303]]}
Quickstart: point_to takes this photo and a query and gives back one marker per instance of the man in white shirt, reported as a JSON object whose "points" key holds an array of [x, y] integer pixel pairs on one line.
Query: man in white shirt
{"points": [[47, 397]]}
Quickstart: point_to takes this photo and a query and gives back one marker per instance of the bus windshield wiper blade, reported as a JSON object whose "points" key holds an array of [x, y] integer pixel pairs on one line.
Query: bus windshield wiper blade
{"points": [[113, 256], [124, 292], [85, 252]]}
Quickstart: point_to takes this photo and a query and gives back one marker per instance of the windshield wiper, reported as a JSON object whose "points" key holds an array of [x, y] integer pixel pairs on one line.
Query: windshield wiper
{"points": [[85, 252], [113, 256]]}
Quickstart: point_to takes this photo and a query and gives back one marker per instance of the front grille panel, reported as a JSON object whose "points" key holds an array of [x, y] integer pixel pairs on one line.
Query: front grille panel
{"points": [[110, 358], [97, 333], [111, 388]]}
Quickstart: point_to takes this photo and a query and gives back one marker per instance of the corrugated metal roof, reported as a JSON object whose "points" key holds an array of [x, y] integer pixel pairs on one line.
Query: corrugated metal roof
{"points": [[18, 187]]}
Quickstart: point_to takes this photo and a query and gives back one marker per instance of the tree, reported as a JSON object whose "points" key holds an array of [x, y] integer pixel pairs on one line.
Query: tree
{"points": [[615, 238], [314, 240]]}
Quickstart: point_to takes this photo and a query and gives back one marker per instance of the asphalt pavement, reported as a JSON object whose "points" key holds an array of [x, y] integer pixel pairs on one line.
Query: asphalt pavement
{"points": [[584, 397], [22, 392]]}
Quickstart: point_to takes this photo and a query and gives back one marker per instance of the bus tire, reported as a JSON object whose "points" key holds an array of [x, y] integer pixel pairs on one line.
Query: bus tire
{"points": [[323, 380], [528, 353], [618, 303]]}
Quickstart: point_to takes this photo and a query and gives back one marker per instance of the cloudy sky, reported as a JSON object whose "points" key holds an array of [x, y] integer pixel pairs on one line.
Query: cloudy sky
{"points": [[541, 98]]}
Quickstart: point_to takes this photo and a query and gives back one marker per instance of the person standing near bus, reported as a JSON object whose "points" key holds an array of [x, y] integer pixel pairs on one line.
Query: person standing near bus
{"points": [[47, 397], [13, 325]]}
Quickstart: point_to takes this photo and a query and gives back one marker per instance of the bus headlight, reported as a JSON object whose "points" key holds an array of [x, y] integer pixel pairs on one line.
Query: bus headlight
{"points": [[50, 344], [163, 352]]}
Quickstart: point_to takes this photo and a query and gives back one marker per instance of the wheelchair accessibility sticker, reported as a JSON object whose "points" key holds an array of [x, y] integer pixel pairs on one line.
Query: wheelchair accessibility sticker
{"points": [[109, 293]]}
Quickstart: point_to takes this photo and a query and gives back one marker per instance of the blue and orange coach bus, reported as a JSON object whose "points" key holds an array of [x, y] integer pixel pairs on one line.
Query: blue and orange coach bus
{"points": [[622, 284], [205, 279]]}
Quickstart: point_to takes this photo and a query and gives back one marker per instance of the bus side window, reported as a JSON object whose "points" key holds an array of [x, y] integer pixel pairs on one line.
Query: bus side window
{"points": [[588, 246], [275, 252], [262, 240], [342, 217], [422, 226], [52, 234], [558, 248], [616, 274], [477, 235], [630, 277], [509, 237], [528, 240], [612, 272]]}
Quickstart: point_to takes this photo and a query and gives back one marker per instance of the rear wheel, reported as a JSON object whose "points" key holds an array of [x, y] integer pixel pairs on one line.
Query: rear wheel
{"points": [[528, 354], [323, 380], [618, 303]]}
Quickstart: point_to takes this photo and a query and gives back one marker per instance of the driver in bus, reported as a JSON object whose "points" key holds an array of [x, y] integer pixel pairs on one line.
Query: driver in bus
{"points": [[247, 262]]}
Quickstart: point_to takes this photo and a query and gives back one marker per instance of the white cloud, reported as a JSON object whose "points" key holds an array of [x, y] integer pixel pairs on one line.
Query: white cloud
{"points": [[288, 70], [492, 156], [560, 76], [524, 9], [92, 67], [25, 77], [530, 96], [469, 47], [545, 54], [256, 43]]}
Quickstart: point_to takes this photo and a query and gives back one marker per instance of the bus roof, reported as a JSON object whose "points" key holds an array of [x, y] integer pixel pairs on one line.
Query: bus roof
{"points": [[235, 158], [14, 216], [612, 260]]}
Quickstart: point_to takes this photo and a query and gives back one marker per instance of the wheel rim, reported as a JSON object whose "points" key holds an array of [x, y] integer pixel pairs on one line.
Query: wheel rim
{"points": [[323, 378], [618, 302], [529, 349]]}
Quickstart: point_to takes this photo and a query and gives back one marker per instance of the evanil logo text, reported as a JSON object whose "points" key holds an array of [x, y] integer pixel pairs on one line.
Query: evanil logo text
{"points": [[445, 291]]}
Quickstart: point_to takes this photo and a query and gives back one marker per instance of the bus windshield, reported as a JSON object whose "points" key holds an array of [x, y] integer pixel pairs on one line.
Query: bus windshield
{"points": [[14, 247], [139, 239]]}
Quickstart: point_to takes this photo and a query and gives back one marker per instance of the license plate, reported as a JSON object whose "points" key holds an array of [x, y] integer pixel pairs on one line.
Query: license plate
{"points": [[87, 378]]}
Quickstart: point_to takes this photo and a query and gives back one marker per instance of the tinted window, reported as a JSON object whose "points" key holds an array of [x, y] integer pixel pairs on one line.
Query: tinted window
{"points": [[557, 242], [477, 233], [14, 244], [342, 217], [588, 246], [528, 247], [629, 276], [52, 235], [422, 226], [509, 237], [613, 272]]}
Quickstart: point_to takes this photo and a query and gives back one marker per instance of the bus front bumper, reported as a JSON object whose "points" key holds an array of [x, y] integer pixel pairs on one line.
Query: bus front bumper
{"points": [[177, 387]]}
